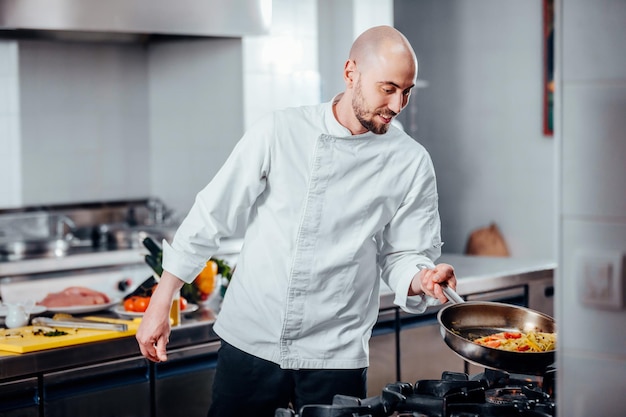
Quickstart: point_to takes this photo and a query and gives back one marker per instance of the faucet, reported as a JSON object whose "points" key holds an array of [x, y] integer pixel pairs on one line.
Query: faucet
{"points": [[158, 210], [62, 221]]}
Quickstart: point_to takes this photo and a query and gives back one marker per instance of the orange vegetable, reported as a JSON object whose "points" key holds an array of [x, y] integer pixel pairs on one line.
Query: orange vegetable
{"points": [[129, 304], [182, 303], [206, 279], [136, 304]]}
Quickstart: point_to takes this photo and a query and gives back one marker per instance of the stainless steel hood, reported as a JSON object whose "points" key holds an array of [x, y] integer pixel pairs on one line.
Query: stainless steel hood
{"points": [[132, 19]]}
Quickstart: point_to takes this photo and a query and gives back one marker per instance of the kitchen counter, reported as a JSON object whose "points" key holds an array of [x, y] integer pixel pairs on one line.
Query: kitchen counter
{"points": [[77, 258], [195, 328], [482, 274], [476, 275], [88, 257]]}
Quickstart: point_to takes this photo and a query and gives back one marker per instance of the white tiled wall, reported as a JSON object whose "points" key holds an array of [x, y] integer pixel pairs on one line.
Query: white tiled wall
{"points": [[368, 13], [10, 149], [281, 68], [592, 357], [594, 150], [196, 114], [339, 23], [84, 118]]}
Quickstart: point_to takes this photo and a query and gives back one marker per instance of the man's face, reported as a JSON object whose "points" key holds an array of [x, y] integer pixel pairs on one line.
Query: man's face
{"points": [[376, 103]]}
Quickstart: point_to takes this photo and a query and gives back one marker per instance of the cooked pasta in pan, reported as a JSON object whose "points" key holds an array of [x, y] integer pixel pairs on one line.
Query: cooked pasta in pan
{"points": [[519, 342]]}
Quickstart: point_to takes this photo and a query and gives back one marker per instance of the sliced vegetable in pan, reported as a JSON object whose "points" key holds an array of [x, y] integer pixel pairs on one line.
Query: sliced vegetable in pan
{"points": [[519, 342]]}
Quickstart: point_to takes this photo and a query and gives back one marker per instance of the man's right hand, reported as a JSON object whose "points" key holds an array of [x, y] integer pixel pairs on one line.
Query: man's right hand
{"points": [[154, 331], [429, 281]]}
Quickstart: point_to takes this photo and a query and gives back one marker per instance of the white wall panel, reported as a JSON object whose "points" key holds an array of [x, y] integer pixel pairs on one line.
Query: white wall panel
{"points": [[196, 114], [601, 335], [83, 113], [480, 118], [336, 34], [281, 69], [595, 387], [595, 33], [592, 353], [10, 147], [340, 22], [594, 149]]}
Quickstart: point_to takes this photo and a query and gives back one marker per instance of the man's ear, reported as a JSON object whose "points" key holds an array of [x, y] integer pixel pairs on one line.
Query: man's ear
{"points": [[349, 72]]}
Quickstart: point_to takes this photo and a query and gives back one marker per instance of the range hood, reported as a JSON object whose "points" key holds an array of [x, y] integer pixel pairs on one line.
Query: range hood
{"points": [[133, 19]]}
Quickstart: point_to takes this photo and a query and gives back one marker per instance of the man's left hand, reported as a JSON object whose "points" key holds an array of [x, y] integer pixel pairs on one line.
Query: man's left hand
{"points": [[427, 281]]}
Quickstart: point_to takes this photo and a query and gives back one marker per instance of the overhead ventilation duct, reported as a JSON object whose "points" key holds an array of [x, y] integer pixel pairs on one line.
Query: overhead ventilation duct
{"points": [[130, 20]]}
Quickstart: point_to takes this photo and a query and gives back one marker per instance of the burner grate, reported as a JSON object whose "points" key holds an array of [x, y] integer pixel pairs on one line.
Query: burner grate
{"points": [[490, 394]]}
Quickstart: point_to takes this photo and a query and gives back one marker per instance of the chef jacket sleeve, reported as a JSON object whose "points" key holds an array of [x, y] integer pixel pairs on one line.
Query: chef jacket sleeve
{"points": [[228, 197], [412, 238]]}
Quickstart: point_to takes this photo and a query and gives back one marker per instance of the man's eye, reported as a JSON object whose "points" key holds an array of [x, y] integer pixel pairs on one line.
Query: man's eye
{"points": [[388, 90]]}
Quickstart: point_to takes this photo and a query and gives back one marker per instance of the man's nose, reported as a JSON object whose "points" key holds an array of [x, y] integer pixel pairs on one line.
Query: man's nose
{"points": [[396, 103]]}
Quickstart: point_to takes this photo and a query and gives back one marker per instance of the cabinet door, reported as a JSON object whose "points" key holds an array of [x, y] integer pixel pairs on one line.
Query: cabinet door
{"points": [[118, 388], [182, 385], [19, 398], [382, 369], [426, 356], [383, 353]]}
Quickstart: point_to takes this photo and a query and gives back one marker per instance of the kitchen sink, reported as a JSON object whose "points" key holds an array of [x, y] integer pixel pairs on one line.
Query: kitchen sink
{"points": [[19, 249], [37, 234]]}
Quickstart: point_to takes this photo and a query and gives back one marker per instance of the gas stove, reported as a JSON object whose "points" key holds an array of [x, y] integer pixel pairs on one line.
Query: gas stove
{"points": [[489, 394]]}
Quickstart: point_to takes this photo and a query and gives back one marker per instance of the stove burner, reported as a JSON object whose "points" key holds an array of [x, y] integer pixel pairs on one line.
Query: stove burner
{"points": [[505, 395], [490, 394]]}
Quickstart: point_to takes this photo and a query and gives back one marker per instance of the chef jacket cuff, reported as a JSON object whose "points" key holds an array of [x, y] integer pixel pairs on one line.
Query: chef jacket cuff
{"points": [[180, 264], [415, 304]]}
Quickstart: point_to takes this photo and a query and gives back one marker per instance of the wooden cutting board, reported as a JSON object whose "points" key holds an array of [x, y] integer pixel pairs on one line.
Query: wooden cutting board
{"points": [[22, 339]]}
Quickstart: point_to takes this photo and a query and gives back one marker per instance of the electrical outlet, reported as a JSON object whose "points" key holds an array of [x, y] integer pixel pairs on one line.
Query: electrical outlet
{"points": [[601, 279]]}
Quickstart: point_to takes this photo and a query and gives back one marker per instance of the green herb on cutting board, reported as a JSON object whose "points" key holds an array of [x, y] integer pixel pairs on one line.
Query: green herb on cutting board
{"points": [[54, 333]]}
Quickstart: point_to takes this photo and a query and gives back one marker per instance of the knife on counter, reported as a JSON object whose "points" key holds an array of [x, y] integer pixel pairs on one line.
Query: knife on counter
{"points": [[75, 323], [155, 257]]}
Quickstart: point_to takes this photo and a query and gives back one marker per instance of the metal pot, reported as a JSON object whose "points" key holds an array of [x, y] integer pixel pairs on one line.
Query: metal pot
{"points": [[466, 321], [124, 236]]}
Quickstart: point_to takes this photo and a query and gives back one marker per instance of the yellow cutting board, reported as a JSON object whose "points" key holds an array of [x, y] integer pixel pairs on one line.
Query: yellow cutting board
{"points": [[22, 339]]}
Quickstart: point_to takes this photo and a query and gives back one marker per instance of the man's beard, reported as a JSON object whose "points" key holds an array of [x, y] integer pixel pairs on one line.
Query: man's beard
{"points": [[365, 117]]}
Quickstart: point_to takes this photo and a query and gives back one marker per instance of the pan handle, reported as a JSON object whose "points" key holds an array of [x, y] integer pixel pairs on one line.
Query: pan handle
{"points": [[451, 294]]}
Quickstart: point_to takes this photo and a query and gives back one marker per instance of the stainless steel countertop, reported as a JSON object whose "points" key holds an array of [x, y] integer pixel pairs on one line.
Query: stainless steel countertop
{"points": [[478, 274], [78, 258], [87, 257], [475, 275]]}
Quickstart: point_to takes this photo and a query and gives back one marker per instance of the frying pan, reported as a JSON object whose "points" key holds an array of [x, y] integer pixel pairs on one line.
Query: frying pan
{"points": [[464, 321]]}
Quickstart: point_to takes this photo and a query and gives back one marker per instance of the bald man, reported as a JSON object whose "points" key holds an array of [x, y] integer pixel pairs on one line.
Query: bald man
{"points": [[336, 198]]}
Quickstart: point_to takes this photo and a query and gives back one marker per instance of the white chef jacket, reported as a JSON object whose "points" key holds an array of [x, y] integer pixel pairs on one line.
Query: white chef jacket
{"points": [[329, 213]]}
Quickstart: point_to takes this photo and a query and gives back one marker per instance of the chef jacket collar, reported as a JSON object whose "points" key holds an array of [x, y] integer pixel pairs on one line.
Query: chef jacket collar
{"points": [[335, 128]]}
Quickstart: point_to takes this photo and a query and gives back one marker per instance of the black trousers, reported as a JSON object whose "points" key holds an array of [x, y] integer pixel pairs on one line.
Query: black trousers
{"points": [[245, 385]]}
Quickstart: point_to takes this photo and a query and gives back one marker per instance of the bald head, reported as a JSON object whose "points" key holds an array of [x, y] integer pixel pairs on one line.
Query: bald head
{"points": [[381, 45], [379, 75]]}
